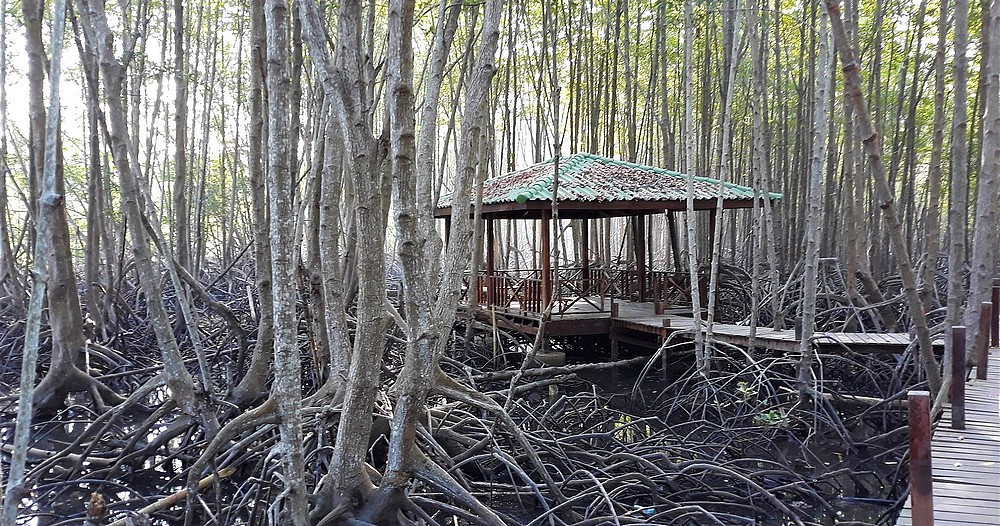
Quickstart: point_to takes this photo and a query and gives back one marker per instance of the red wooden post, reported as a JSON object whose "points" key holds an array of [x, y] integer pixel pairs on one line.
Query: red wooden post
{"points": [[982, 354], [712, 212], [957, 392], [491, 287], [921, 489], [995, 332], [546, 257], [674, 246], [657, 294], [639, 244], [585, 256]]}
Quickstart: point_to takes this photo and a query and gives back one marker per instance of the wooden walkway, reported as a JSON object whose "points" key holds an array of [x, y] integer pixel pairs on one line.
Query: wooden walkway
{"points": [[966, 464], [641, 318], [637, 323]]}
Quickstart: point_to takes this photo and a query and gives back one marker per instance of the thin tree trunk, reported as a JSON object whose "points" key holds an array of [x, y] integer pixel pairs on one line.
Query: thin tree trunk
{"points": [[873, 146], [984, 236], [199, 193], [32, 12], [345, 79], [99, 35], [932, 223], [10, 279], [329, 238], [725, 169], [52, 201], [427, 141], [958, 192], [702, 363], [182, 235], [253, 385], [854, 188], [95, 219], [757, 35], [286, 390], [814, 199]]}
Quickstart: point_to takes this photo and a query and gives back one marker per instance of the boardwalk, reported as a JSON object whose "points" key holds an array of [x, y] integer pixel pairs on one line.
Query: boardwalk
{"points": [[640, 317], [637, 323], [967, 463]]}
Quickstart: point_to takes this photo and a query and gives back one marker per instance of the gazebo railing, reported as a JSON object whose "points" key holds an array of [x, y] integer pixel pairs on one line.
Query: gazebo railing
{"points": [[510, 291], [584, 290]]}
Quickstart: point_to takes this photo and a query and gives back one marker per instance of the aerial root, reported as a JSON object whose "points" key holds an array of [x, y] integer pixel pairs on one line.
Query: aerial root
{"points": [[726, 448], [53, 389]]}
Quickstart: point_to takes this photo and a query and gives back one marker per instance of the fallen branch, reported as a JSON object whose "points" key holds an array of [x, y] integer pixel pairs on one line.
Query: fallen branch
{"points": [[550, 371], [178, 496]]}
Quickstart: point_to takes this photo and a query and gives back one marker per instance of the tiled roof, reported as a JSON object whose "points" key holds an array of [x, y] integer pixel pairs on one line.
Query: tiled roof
{"points": [[587, 177]]}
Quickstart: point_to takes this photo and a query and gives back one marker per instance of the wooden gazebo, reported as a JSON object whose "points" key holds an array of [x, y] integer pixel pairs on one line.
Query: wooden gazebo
{"points": [[590, 187]]}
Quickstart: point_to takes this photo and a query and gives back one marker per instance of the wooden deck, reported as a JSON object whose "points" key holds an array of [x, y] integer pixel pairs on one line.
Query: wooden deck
{"points": [[966, 463], [638, 324], [641, 318]]}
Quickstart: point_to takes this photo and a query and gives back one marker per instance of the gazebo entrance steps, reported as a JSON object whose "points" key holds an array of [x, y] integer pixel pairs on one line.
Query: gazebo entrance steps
{"points": [[637, 323]]}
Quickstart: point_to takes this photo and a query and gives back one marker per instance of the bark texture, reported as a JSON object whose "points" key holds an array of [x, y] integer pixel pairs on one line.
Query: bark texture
{"points": [[100, 38], [873, 148], [286, 390], [814, 196], [985, 230]]}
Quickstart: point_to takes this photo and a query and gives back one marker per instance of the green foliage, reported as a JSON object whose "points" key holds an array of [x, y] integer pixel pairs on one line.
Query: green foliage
{"points": [[771, 418]]}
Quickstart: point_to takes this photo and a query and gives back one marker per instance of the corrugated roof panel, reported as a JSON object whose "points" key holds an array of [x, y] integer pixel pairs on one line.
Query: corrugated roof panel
{"points": [[588, 177]]}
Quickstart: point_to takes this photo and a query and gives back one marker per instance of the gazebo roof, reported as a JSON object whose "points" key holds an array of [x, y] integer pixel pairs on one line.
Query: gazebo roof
{"points": [[591, 185]]}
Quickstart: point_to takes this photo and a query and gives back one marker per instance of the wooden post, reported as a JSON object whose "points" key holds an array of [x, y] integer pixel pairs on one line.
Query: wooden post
{"points": [[491, 289], [585, 255], [546, 257], [613, 334], [639, 243], [995, 331], [674, 245], [650, 245], [712, 212], [921, 488], [957, 392], [447, 230], [982, 354], [663, 365], [659, 298]]}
